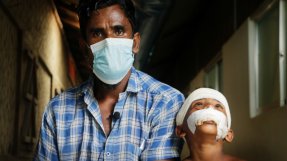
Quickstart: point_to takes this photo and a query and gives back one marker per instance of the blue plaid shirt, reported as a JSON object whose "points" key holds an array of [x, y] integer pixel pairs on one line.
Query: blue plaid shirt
{"points": [[72, 127]]}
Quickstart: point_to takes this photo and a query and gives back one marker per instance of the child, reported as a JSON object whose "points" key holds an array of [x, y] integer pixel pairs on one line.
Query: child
{"points": [[204, 123]]}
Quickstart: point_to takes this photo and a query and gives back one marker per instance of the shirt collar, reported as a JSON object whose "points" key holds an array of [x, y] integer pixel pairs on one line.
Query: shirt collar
{"points": [[87, 90], [134, 83]]}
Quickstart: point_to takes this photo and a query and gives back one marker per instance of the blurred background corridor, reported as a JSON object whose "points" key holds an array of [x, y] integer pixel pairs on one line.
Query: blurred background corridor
{"points": [[235, 46]]}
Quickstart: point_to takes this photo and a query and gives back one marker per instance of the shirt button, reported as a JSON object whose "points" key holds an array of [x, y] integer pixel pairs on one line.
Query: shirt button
{"points": [[108, 153]]}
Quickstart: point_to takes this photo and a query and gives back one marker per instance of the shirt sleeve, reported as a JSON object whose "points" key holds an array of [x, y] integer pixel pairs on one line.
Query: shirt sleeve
{"points": [[162, 142], [47, 148]]}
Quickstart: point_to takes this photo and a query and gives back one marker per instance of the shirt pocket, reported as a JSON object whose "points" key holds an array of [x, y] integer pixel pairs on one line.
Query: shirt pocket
{"points": [[133, 152]]}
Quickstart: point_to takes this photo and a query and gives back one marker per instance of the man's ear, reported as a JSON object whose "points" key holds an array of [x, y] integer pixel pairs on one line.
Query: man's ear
{"points": [[179, 131], [136, 44], [229, 136]]}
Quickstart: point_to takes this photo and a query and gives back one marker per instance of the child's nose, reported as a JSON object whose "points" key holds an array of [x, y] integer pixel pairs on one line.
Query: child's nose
{"points": [[209, 106]]}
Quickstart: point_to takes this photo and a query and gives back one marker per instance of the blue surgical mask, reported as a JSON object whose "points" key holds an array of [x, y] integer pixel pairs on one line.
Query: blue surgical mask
{"points": [[113, 58]]}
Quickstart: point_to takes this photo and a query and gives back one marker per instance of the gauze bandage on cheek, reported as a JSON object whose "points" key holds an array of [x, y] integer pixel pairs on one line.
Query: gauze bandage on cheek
{"points": [[209, 114]]}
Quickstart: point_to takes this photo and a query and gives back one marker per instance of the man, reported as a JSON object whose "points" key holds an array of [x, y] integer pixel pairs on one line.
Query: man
{"points": [[204, 123], [118, 114]]}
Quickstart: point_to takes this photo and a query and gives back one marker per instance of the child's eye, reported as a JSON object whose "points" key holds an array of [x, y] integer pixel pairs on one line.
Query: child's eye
{"points": [[198, 104], [218, 106]]}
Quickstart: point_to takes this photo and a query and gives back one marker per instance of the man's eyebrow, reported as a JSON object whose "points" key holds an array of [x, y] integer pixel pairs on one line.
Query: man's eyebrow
{"points": [[119, 27], [93, 29]]}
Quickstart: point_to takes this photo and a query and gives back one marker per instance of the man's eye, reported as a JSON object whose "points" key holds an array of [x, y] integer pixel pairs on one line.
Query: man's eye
{"points": [[97, 34], [119, 32]]}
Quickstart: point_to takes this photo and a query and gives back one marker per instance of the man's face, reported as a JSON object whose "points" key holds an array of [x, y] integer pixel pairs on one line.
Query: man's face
{"points": [[109, 22]]}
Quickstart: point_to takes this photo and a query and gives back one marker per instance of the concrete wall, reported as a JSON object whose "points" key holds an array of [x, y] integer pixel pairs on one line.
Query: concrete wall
{"points": [[262, 138], [8, 59], [42, 37]]}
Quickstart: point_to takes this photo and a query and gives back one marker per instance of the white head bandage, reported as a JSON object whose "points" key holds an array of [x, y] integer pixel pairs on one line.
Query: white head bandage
{"points": [[200, 94]]}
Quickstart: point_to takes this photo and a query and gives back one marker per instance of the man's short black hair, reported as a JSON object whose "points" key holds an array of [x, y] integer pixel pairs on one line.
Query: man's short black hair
{"points": [[86, 7]]}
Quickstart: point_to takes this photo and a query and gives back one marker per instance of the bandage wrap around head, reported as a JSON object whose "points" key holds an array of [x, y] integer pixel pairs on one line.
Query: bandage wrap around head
{"points": [[200, 94]]}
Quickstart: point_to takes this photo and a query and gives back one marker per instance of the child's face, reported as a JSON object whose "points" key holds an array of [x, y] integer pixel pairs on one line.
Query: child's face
{"points": [[207, 116], [205, 103]]}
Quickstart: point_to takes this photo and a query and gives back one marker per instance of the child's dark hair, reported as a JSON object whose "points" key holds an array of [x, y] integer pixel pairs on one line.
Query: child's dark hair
{"points": [[87, 6]]}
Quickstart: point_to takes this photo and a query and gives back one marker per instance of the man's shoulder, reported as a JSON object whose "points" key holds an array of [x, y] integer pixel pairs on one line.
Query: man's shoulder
{"points": [[154, 86], [62, 108], [67, 99], [66, 96]]}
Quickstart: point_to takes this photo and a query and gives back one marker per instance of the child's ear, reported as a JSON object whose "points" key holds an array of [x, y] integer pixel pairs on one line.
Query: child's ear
{"points": [[229, 136], [179, 131]]}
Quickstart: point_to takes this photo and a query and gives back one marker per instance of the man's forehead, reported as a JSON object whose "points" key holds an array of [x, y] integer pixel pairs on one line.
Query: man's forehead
{"points": [[102, 17], [111, 11]]}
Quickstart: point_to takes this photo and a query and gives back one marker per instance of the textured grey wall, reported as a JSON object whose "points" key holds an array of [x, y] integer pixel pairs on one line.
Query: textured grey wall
{"points": [[8, 53], [42, 36]]}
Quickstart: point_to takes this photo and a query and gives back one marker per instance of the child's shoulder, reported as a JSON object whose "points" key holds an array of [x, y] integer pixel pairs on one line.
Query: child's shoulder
{"points": [[187, 159], [232, 158]]}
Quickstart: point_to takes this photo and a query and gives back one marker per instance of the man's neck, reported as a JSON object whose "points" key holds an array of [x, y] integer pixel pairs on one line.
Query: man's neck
{"points": [[102, 93], [107, 98]]}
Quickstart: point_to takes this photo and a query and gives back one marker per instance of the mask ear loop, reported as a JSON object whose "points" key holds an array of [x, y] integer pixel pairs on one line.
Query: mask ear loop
{"points": [[96, 4], [184, 140], [88, 54], [88, 12]]}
